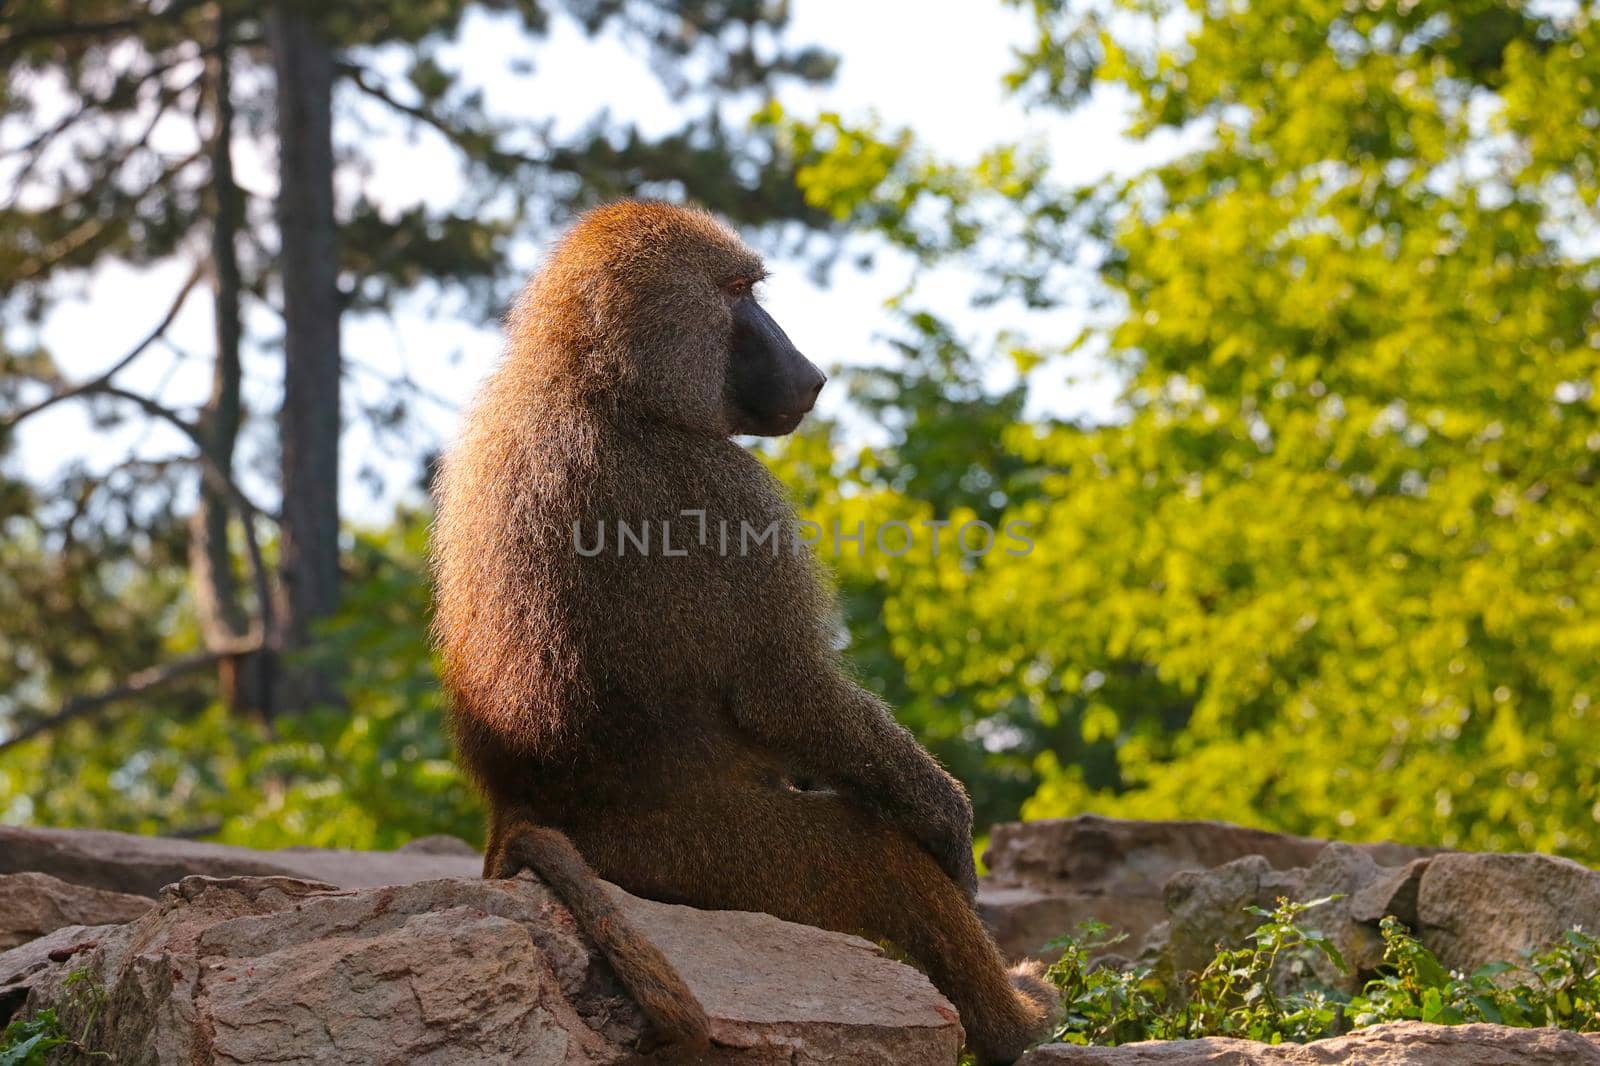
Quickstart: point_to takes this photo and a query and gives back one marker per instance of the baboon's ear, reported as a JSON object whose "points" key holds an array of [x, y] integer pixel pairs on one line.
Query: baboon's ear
{"points": [[770, 385]]}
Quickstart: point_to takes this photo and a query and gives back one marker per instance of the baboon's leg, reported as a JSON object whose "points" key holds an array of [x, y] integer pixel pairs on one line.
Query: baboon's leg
{"points": [[816, 858], [516, 844]]}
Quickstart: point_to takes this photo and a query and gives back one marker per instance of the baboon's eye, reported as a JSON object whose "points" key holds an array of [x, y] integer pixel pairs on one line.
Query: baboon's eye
{"points": [[737, 288]]}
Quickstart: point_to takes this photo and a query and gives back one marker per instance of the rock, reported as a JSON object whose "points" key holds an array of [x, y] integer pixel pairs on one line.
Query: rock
{"points": [[1024, 919], [1343, 872], [1048, 876], [33, 904], [440, 844], [122, 862], [1207, 907], [252, 969], [1474, 909], [1392, 892], [1397, 1044], [829, 997], [1469, 909], [22, 967]]}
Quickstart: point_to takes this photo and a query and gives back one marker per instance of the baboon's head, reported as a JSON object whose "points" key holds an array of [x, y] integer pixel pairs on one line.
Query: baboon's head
{"points": [[653, 305]]}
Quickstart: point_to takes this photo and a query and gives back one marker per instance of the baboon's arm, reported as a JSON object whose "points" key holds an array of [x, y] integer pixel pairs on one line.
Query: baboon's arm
{"points": [[830, 730]]}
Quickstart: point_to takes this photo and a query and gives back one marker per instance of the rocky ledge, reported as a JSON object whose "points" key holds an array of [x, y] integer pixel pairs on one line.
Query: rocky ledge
{"points": [[261, 968], [193, 953], [1179, 888]]}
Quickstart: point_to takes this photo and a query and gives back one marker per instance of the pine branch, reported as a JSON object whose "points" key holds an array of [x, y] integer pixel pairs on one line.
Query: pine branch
{"points": [[462, 139], [93, 228], [140, 683], [62, 29], [104, 378]]}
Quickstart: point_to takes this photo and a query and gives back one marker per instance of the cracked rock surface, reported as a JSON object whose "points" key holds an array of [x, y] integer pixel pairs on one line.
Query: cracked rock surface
{"points": [[251, 969]]}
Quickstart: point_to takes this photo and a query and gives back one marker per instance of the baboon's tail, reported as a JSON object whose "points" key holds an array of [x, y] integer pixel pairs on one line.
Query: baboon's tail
{"points": [[655, 984]]}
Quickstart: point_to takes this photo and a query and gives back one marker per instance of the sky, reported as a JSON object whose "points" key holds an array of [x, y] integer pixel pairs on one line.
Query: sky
{"points": [[935, 66]]}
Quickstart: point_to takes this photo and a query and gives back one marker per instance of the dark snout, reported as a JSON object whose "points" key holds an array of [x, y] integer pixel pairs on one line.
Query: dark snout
{"points": [[771, 386]]}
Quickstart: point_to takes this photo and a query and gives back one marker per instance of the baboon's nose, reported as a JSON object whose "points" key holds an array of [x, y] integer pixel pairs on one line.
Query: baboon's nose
{"points": [[816, 390]]}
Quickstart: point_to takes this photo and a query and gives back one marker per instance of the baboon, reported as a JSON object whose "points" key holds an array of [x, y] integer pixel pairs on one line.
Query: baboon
{"points": [[673, 715]]}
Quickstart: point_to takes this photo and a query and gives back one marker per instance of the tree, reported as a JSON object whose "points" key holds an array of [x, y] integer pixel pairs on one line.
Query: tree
{"points": [[309, 423], [1329, 571], [120, 124]]}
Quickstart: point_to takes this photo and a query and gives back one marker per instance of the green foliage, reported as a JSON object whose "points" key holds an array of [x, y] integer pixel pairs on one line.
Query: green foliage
{"points": [[372, 774], [1559, 987], [1103, 1004], [29, 1041], [1324, 572], [378, 772], [26, 1042], [1358, 478], [1234, 995], [1249, 992], [119, 125], [1239, 993]]}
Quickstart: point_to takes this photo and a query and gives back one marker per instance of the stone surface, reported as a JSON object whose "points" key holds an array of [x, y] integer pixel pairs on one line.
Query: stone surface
{"points": [[1208, 907], [1478, 908], [1393, 891], [38, 960], [253, 969], [440, 844], [1469, 909], [33, 904], [1398, 1044], [123, 862], [1046, 877], [305, 955]]}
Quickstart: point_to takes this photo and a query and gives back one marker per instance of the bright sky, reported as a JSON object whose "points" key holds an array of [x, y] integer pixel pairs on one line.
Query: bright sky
{"points": [[933, 65]]}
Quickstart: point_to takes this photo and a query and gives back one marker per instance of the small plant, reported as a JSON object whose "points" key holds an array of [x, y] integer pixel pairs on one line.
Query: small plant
{"points": [[28, 1041], [1559, 987], [1234, 995], [1105, 1004], [1262, 991]]}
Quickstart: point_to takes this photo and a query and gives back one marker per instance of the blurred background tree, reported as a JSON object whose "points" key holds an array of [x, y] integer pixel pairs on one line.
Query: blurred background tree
{"points": [[1333, 570], [1328, 566], [121, 126]]}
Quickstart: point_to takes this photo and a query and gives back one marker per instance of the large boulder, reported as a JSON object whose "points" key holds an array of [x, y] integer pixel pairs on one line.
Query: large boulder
{"points": [[1048, 876], [1398, 1044], [123, 862], [1473, 909], [33, 904], [287, 970], [1468, 908]]}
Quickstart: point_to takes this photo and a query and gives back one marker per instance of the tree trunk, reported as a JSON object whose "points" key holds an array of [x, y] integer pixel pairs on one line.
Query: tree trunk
{"points": [[309, 422], [243, 680]]}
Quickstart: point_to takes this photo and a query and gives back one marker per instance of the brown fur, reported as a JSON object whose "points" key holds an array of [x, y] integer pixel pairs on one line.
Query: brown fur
{"points": [[656, 986], [658, 711]]}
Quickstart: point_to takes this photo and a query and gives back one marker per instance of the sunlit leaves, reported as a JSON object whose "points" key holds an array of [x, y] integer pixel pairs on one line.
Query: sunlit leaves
{"points": [[1335, 573]]}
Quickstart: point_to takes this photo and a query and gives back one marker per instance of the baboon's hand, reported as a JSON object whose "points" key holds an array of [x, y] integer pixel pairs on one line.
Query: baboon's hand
{"points": [[945, 829]]}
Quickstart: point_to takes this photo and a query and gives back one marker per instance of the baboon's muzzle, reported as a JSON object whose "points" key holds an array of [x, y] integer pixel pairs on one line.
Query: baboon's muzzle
{"points": [[772, 385]]}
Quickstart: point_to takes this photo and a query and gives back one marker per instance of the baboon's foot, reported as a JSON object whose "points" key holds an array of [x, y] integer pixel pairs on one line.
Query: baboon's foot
{"points": [[1029, 1021]]}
